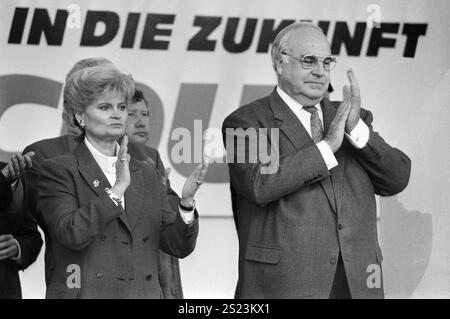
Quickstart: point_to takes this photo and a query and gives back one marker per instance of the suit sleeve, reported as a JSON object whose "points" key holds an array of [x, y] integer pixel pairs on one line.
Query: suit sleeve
{"points": [[266, 181], [388, 167], [73, 226], [25, 229], [177, 238], [172, 196], [29, 238], [30, 181], [5, 191]]}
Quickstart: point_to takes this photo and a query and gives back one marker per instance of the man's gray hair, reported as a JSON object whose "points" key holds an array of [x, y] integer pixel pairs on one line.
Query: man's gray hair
{"points": [[279, 44]]}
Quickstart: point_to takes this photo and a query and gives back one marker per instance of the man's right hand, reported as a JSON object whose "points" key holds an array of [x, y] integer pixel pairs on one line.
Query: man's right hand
{"points": [[17, 166], [122, 169], [335, 134]]}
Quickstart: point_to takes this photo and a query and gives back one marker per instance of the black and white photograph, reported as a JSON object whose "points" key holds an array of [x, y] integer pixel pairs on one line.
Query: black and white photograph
{"points": [[224, 150]]}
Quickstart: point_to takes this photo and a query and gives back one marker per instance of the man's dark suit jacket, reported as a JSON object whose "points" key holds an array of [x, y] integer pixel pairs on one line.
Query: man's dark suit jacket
{"points": [[292, 224], [115, 249], [169, 274], [15, 221], [5, 191]]}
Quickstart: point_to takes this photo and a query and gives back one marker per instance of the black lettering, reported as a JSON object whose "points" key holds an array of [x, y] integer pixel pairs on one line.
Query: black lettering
{"points": [[413, 31], [130, 30], [111, 21], [377, 41], [342, 35], [200, 42], [151, 30], [268, 33], [41, 23], [17, 26], [229, 43], [324, 25]]}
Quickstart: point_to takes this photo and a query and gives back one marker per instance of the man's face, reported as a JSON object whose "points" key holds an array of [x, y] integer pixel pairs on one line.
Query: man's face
{"points": [[138, 123], [307, 86]]}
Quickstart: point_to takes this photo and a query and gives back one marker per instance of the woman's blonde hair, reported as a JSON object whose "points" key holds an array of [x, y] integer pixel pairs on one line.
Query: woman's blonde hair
{"points": [[85, 86]]}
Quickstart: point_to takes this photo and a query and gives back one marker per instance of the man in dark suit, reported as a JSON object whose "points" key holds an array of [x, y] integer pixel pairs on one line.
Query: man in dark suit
{"points": [[306, 219], [20, 241]]}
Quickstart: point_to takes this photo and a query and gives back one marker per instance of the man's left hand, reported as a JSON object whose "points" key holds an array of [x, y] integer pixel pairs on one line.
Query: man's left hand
{"points": [[8, 247], [352, 93]]}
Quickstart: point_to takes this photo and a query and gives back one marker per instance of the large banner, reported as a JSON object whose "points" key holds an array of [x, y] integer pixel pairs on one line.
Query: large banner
{"points": [[199, 60]]}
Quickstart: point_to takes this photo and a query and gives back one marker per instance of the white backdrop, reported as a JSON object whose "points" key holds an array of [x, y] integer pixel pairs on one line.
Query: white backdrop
{"points": [[201, 59]]}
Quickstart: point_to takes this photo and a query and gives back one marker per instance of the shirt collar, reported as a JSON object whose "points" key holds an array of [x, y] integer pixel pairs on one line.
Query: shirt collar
{"points": [[106, 163], [293, 104]]}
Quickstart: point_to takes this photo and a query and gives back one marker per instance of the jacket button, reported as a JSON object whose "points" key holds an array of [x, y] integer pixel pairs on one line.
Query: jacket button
{"points": [[99, 275], [149, 277], [102, 238], [332, 260], [340, 226]]}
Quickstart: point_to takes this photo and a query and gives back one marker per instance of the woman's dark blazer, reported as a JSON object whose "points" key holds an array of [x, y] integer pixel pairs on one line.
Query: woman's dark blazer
{"points": [[100, 249]]}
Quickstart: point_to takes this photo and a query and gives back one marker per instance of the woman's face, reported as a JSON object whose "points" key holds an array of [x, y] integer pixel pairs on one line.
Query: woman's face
{"points": [[138, 122], [105, 118]]}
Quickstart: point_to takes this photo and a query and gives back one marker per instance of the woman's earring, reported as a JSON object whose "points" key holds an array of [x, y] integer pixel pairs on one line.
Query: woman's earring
{"points": [[82, 124]]}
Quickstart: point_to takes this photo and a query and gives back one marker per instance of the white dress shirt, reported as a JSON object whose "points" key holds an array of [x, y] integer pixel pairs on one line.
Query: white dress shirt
{"points": [[108, 166], [358, 137]]}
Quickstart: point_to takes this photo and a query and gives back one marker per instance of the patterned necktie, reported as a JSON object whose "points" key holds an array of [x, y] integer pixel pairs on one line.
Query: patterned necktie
{"points": [[316, 124]]}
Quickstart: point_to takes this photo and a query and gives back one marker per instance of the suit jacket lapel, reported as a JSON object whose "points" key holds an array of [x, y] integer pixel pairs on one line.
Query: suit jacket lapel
{"points": [[337, 176], [290, 125], [134, 195], [298, 135], [337, 173], [93, 175]]}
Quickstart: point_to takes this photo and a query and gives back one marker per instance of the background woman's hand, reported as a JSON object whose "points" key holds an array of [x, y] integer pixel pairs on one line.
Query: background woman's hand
{"points": [[122, 169], [8, 247], [193, 183], [17, 166]]}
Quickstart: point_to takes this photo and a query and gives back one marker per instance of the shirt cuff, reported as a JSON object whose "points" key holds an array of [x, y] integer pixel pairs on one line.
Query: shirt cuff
{"points": [[14, 184], [18, 258], [186, 215], [114, 199], [327, 154], [359, 136]]}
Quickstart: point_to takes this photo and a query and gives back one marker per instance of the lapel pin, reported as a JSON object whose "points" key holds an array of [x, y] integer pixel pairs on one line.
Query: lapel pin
{"points": [[96, 183]]}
